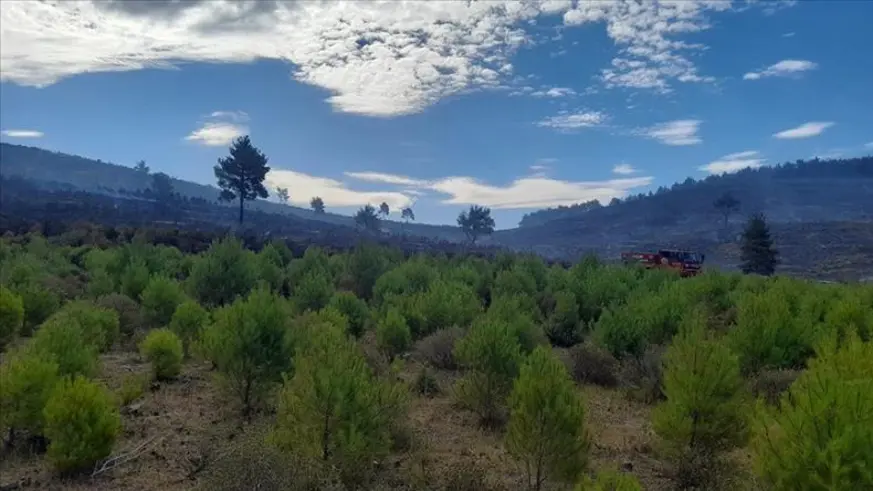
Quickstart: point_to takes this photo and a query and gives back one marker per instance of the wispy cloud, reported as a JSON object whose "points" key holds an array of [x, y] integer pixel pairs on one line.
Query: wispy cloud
{"points": [[23, 133], [554, 92], [734, 162], [784, 68], [374, 58], [788, 35], [675, 133], [220, 128], [529, 192], [806, 130], [868, 145], [624, 169], [303, 187], [573, 120], [386, 178]]}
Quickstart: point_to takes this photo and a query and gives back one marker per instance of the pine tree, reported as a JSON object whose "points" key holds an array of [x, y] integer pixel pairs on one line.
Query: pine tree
{"points": [[317, 204], [241, 175], [705, 410], [546, 422], [282, 194], [476, 222], [757, 253]]}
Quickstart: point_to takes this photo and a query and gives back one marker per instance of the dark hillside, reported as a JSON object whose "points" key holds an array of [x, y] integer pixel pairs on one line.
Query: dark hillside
{"points": [[55, 170]]}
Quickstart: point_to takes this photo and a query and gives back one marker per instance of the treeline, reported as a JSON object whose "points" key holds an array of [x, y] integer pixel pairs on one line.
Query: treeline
{"points": [[757, 189], [311, 346]]}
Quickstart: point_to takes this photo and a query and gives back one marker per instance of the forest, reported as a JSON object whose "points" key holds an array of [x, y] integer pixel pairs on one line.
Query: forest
{"points": [[128, 363]]}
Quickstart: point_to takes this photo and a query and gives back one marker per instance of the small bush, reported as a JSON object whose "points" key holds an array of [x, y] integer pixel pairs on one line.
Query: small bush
{"points": [[705, 410], [187, 321], [223, 273], [425, 383], [393, 334], [438, 348], [163, 349], [248, 345], [564, 327], [355, 310], [26, 381], [491, 355], [771, 384], [546, 430], [250, 463], [11, 316], [134, 278], [643, 377], [63, 341], [132, 388], [610, 480], [99, 326], [131, 319], [39, 304], [81, 422], [594, 365], [312, 292], [820, 435], [333, 409], [160, 298]]}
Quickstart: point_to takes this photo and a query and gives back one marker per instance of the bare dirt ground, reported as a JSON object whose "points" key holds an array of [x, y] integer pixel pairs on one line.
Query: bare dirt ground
{"points": [[177, 426]]}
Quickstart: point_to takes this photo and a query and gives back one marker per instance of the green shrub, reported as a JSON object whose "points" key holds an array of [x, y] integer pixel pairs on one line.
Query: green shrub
{"points": [[134, 277], [393, 334], [622, 331], [11, 316], [312, 292], [365, 265], [82, 423], [247, 344], [523, 316], [768, 334], [512, 282], [333, 408], [546, 430], [131, 319], [354, 309], [222, 273], [27, 381], [99, 326], [491, 355], [610, 480], [133, 386], [564, 328], [270, 266], [425, 383], [63, 341], [704, 413], [160, 298], [821, 433], [163, 349], [446, 304], [187, 322], [39, 304]]}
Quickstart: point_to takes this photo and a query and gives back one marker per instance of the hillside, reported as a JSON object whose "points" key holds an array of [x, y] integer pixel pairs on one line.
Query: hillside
{"points": [[55, 170]]}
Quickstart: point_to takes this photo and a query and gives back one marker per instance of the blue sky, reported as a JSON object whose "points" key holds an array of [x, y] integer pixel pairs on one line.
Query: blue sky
{"points": [[516, 106]]}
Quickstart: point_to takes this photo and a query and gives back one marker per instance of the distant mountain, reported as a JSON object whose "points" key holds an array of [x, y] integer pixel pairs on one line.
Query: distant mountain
{"points": [[810, 204], [60, 170]]}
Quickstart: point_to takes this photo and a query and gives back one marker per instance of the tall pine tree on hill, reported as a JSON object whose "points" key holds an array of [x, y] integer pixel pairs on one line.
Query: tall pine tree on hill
{"points": [[241, 174], [757, 254]]}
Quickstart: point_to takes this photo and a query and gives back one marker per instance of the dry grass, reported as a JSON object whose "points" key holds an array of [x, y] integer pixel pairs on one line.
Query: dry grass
{"points": [[188, 422]]}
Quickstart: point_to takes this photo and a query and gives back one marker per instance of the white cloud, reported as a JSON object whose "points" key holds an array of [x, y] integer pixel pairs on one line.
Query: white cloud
{"points": [[868, 145], [529, 192], [220, 128], [216, 134], [533, 192], [386, 178], [788, 35], [554, 92], [568, 121], [375, 58], [675, 133], [734, 162], [784, 68], [806, 130], [23, 133], [624, 169], [303, 187]]}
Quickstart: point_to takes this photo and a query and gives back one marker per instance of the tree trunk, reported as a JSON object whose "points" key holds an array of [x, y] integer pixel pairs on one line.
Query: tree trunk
{"points": [[241, 201]]}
